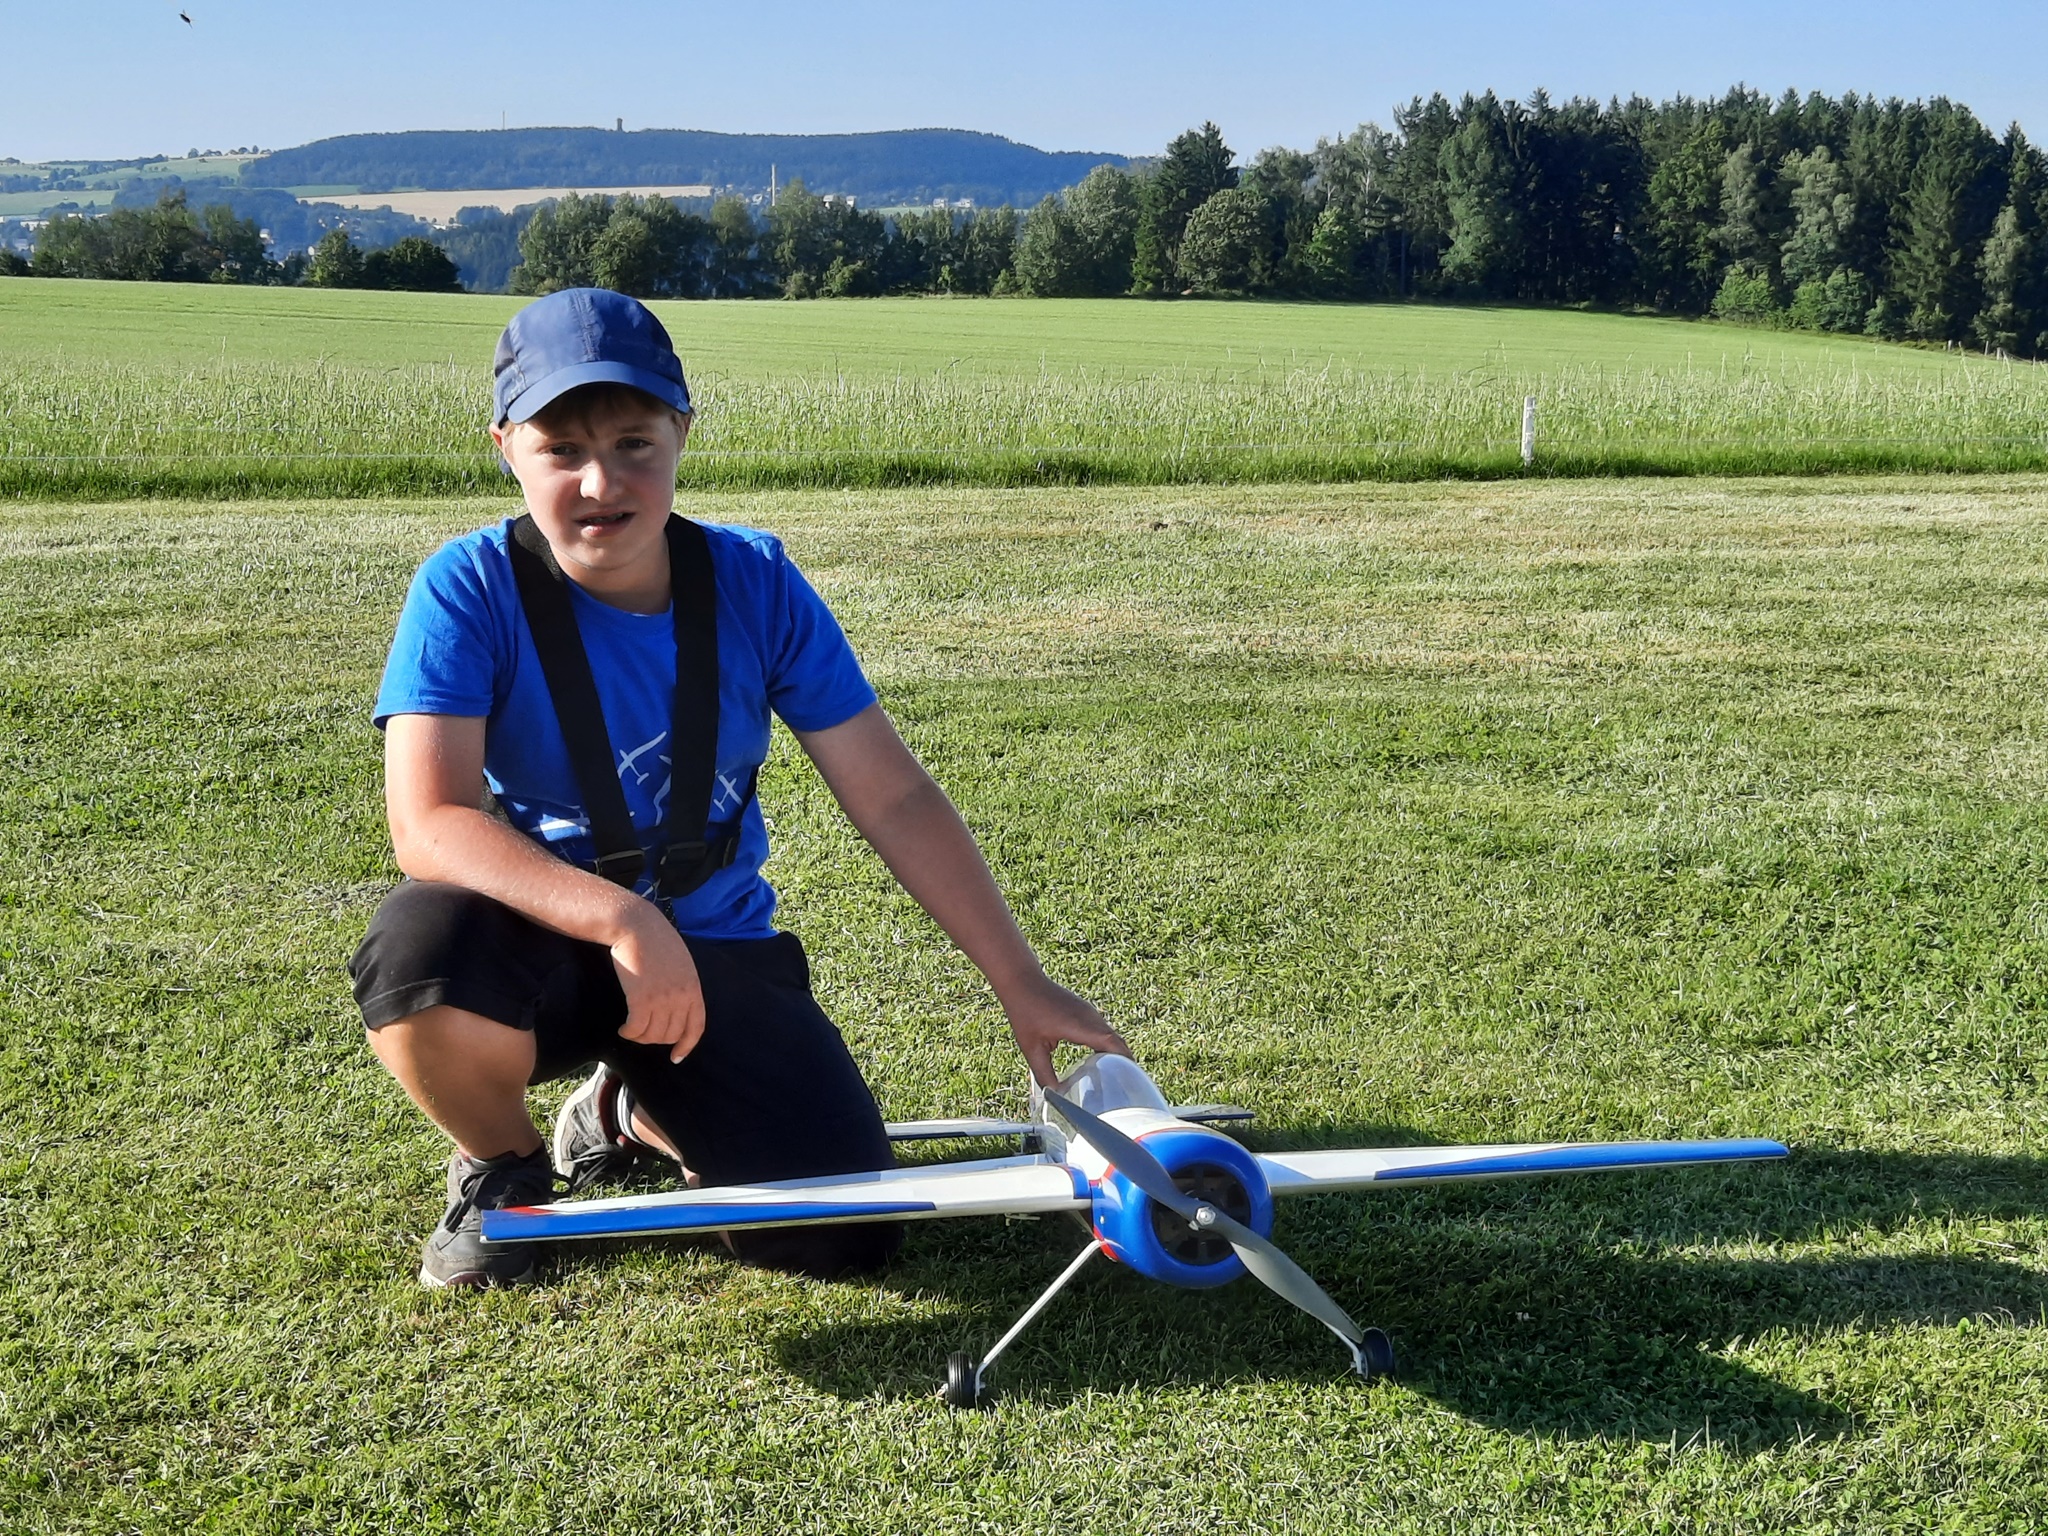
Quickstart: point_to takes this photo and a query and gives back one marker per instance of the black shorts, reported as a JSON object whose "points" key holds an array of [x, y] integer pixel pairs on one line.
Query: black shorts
{"points": [[769, 1092]]}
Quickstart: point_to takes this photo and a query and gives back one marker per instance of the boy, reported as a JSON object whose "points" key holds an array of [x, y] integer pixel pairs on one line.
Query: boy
{"points": [[608, 671]]}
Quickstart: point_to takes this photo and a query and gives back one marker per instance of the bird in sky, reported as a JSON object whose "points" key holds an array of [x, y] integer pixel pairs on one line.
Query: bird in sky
{"points": [[184, 18]]}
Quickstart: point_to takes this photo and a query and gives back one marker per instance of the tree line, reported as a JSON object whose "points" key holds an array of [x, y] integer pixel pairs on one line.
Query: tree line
{"points": [[171, 242], [1904, 220], [413, 264], [804, 246], [1895, 219], [1901, 220], [1888, 218]]}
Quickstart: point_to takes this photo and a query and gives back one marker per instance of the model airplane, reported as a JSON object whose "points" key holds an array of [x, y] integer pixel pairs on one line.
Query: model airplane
{"points": [[1160, 1188]]}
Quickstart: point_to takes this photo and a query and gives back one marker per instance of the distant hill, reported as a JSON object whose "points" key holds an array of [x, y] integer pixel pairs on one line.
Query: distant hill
{"points": [[915, 165]]}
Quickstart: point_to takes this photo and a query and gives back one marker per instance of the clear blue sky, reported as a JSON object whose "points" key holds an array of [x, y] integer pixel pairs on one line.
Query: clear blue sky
{"points": [[92, 78]]}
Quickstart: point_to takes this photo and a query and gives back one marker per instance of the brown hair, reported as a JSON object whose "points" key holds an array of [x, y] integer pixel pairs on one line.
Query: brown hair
{"points": [[579, 407]]}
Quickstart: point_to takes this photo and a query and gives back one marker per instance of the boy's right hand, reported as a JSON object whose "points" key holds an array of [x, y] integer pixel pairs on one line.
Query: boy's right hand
{"points": [[664, 1000]]}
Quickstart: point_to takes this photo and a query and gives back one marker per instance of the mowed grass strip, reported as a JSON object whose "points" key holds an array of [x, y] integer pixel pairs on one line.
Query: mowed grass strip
{"points": [[1399, 814], [119, 389]]}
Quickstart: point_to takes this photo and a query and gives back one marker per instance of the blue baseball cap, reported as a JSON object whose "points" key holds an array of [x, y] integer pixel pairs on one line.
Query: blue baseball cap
{"points": [[583, 336]]}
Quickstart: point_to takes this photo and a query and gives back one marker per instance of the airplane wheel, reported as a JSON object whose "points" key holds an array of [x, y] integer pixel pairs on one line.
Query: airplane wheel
{"points": [[962, 1391], [1378, 1350]]}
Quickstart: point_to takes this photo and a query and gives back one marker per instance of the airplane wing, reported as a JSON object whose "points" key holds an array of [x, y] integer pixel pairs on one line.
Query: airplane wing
{"points": [[1315, 1173], [1003, 1186]]}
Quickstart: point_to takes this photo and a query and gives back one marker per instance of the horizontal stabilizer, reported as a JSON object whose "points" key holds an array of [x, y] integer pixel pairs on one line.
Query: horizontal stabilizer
{"points": [[1210, 1114], [1003, 1186], [969, 1126], [1311, 1173]]}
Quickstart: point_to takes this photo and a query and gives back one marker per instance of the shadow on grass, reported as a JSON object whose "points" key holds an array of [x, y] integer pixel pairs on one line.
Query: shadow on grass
{"points": [[1556, 1307]]}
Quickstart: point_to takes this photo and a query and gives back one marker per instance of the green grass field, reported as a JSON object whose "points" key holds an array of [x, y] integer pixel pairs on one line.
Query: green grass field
{"points": [[29, 205], [1497, 811], [170, 165], [165, 390], [188, 326]]}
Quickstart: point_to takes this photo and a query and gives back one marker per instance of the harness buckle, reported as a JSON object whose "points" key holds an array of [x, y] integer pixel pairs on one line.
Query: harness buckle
{"points": [[685, 866], [623, 867], [683, 857]]}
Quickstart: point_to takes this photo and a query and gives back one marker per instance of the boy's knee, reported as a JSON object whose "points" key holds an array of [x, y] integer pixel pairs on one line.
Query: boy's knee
{"points": [[421, 922], [489, 1052], [822, 1253], [433, 945]]}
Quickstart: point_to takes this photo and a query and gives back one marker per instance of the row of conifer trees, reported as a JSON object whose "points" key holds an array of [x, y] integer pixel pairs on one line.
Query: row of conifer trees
{"points": [[1893, 218]]}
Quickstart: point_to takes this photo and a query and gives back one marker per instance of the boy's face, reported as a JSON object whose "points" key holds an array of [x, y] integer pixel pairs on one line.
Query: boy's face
{"points": [[600, 483]]}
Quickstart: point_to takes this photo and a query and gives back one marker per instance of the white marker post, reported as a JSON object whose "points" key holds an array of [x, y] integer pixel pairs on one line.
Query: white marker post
{"points": [[1528, 432]]}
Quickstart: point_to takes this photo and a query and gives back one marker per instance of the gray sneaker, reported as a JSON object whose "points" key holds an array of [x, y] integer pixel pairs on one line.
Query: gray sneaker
{"points": [[594, 1140], [456, 1253]]}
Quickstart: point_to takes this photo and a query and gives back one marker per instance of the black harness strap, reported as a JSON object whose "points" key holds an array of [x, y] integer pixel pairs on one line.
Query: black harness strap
{"points": [[688, 857]]}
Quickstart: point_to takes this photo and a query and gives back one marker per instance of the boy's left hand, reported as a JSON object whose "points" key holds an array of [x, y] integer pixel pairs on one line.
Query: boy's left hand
{"points": [[1048, 1013]]}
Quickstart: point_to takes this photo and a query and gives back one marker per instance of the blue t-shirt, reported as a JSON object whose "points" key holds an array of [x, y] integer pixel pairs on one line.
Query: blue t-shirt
{"points": [[463, 648]]}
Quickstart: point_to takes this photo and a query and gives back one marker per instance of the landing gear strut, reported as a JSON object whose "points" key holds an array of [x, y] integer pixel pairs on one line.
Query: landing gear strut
{"points": [[966, 1381]]}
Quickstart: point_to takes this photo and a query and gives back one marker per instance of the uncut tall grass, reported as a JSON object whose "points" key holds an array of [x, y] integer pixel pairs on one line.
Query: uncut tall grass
{"points": [[96, 428]]}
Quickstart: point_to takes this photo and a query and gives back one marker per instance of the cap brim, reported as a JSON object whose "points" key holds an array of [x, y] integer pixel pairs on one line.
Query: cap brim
{"points": [[539, 395]]}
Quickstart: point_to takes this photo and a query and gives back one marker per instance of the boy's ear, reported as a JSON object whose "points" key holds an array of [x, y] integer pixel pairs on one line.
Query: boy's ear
{"points": [[498, 435]]}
